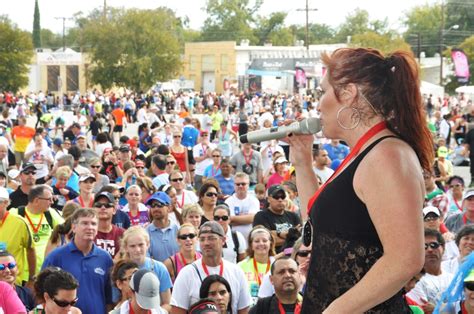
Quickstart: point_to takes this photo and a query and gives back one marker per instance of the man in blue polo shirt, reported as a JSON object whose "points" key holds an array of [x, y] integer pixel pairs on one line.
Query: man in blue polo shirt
{"points": [[162, 231], [89, 264]]}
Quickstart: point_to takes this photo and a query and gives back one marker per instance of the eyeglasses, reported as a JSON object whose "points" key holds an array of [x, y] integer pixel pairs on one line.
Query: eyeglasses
{"points": [[46, 199], [62, 303], [211, 194], [241, 184], [432, 245], [177, 136], [186, 236], [216, 156], [10, 265], [204, 135], [105, 205], [157, 205], [455, 185], [96, 167], [279, 197], [29, 172], [177, 180], [469, 286], [303, 253], [223, 218], [170, 163], [430, 218]]}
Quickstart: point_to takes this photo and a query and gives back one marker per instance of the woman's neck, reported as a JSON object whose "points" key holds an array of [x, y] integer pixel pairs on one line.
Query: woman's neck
{"points": [[133, 207], [86, 195], [189, 255], [351, 137], [261, 258]]}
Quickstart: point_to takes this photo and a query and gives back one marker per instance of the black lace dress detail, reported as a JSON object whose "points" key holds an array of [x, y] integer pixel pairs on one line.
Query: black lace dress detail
{"points": [[345, 245]]}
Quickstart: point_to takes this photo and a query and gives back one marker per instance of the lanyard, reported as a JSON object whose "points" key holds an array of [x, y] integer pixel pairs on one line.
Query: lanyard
{"points": [[204, 149], [257, 275], [221, 269], [464, 219], [248, 158], [183, 260], [457, 204], [361, 142], [213, 174], [81, 202], [5, 217], [182, 200], [35, 229], [282, 310]]}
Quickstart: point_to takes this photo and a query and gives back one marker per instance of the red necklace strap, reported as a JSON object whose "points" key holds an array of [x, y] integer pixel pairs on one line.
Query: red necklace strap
{"points": [[206, 271], [360, 143], [35, 228], [257, 275]]}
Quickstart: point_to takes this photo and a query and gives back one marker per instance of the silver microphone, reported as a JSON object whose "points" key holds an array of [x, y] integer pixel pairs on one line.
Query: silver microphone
{"points": [[306, 126]]}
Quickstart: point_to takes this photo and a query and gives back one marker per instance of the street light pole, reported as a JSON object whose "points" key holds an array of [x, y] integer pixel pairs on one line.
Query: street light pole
{"points": [[307, 9]]}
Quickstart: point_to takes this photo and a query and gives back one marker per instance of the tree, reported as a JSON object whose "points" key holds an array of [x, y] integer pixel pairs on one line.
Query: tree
{"points": [[230, 20], [268, 29], [318, 33], [425, 21], [132, 48], [386, 43], [16, 51], [36, 27], [50, 39]]}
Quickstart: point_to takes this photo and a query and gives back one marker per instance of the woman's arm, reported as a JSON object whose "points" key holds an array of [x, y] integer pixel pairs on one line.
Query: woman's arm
{"points": [[394, 198], [301, 157]]}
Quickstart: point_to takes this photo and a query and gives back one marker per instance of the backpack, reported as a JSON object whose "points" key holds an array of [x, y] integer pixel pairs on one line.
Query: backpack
{"points": [[235, 239], [47, 215]]}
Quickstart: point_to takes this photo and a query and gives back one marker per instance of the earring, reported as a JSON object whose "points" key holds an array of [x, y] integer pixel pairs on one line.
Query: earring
{"points": [[355, 112]]}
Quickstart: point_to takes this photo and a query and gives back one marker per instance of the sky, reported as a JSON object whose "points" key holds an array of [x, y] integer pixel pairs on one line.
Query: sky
{"points": [[332, 12]]}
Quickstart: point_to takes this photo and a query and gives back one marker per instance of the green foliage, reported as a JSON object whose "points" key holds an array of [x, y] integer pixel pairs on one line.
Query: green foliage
{"points": [[272, 30], [36, 27], [132, 48], [385, 43], [230, 20], [50, 39], [318, 33], [460, 12], [426, 21], [16, 51]]}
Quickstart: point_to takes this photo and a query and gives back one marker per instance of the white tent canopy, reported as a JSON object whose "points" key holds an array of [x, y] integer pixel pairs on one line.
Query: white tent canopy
{"points": [[465, 89], [430, 88]]}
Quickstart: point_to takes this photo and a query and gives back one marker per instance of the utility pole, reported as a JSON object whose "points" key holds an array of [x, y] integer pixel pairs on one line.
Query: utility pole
{"points": [[441, 31], [307, 9], [105, 9], [64, 29]]}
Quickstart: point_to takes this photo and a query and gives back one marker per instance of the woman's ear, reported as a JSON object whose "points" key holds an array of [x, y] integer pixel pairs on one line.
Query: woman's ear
{"points": [[349, 93]]}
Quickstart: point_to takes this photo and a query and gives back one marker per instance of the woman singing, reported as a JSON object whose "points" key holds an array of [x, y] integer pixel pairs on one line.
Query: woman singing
{"points": [[367, 238]]}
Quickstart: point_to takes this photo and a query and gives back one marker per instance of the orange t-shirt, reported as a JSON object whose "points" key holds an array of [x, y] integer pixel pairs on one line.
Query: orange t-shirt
{"points": [[118, 114], [22, 136]]}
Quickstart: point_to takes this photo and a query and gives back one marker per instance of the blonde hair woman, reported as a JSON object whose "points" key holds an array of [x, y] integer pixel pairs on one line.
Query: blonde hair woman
{"points": [[192, 214]]}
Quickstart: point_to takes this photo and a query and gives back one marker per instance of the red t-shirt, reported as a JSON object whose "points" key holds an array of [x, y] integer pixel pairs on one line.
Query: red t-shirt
{"points": [[110, 241]]}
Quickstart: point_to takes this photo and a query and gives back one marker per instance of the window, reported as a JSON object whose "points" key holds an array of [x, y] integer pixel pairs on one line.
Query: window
{"points": [[53, 78]]}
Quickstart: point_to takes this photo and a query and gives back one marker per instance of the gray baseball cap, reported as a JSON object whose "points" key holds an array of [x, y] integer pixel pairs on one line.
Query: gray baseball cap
{"points": [[212, 227], [146, 287]]}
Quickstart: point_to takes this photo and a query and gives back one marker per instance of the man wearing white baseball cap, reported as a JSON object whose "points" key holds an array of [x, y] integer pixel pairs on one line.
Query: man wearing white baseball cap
{"points": [[146, 295]]}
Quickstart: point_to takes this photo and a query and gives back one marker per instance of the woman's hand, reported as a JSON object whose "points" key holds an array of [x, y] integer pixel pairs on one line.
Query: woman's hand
{"points": [[301, 149]]}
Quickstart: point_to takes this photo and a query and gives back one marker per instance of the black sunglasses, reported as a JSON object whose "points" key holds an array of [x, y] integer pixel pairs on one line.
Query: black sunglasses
{"points": [[433, 245], [241, 184], [62, 303], [170, 163], [96, 167], [211, 194], [186, 236], [157, 205], [177, 180], [10, 265], [105, 205], [279, 197], [223, 218], [469, 285], [303, 253], [29, 172], [177, 136]]}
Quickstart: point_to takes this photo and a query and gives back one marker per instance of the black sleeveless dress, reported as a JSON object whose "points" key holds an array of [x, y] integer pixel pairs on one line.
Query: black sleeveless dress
{"points": [[345, 245]]}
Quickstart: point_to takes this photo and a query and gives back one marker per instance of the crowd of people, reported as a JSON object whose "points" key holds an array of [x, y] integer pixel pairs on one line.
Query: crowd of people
{"points": [[180, 217]]}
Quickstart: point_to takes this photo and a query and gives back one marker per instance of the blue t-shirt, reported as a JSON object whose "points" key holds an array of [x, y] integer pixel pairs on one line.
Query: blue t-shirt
{"points": [[73, 182], [190, 136], [208, 172], [226, 185], [338, 152], [163, 243], [121, 219], [91, 271], [160, 271]]}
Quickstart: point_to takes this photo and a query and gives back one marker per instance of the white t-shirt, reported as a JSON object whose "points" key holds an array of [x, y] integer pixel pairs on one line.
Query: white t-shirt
{"points": [[199, 151], [249, 205], [430, 288], [323, 174], [99, 149], [229, 251], [185, 198], [267, 160], [39, 160], [188, 282]]}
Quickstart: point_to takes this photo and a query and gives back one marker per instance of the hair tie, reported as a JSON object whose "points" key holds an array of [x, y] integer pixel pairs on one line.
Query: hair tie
{"points": [[389, 64]]}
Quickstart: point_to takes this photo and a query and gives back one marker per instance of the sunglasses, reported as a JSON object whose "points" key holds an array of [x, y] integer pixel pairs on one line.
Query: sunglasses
{"points": [[62, 303], [279, 197], [10, 265], [303, 253], [204, 135], [432, 245], [430, 218], [186, 236], [29, 172], [140, 167], [216, 156], [177, 180], [211, 194], [241, 184], [170, 163], [157, 205], [105, 205], [469, 286], [223, 218], [177, 136], [96, 167]]}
